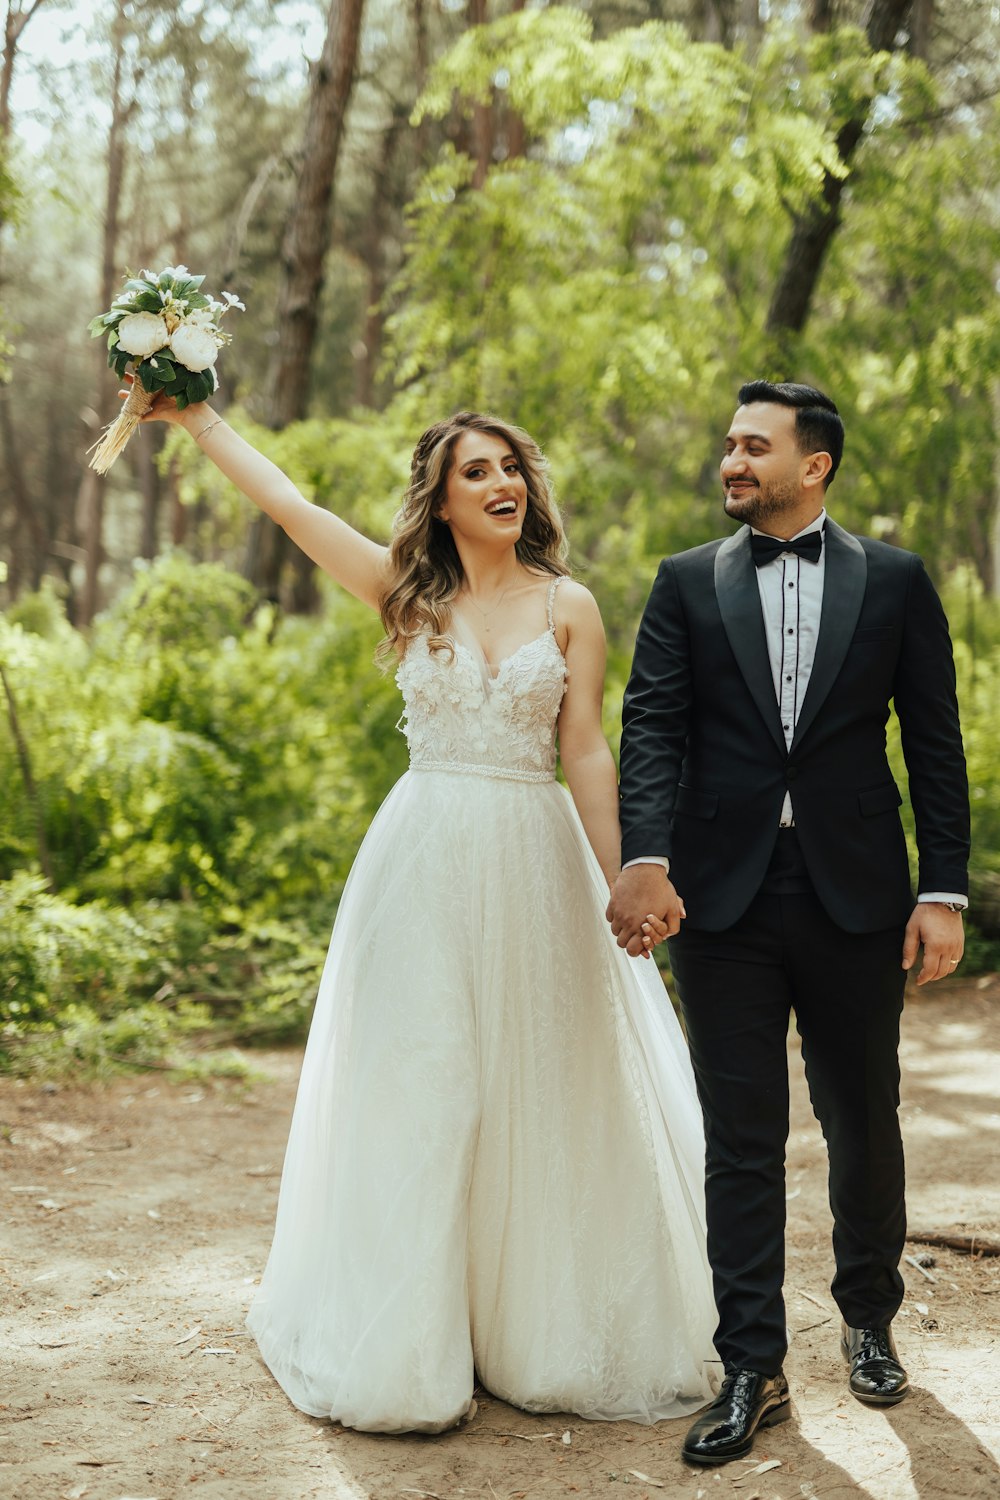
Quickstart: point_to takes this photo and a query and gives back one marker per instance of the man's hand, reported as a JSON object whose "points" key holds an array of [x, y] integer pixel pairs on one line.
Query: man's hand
{"points": [[942, 935], [639, 891]]}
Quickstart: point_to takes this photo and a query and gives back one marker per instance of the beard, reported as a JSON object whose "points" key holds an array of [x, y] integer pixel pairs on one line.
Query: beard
{"points": [[765, 503]]}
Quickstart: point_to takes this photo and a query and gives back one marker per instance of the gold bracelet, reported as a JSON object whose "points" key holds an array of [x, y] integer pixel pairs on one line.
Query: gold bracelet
{"points": [[201, 434]]}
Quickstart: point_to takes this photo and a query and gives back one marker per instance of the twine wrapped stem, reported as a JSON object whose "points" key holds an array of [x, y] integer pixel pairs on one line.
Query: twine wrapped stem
{"points": [[138, 403]]}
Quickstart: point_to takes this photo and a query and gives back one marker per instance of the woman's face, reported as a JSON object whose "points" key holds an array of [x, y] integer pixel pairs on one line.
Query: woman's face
{"points": [[485, 492]]}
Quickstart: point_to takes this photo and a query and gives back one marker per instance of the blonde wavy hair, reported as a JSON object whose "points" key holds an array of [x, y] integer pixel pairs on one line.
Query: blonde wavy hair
{"points": [[425, 568]]}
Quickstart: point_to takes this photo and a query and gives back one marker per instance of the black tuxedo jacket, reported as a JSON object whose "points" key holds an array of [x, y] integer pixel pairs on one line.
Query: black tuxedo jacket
{"points": [[704, 767]]}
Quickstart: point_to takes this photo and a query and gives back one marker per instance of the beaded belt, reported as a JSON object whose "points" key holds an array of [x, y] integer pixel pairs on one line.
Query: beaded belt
{"points": [[496, 773]]}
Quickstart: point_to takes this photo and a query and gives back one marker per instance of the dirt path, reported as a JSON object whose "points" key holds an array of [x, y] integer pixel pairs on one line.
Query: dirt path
{"points": [[135, 1219]]}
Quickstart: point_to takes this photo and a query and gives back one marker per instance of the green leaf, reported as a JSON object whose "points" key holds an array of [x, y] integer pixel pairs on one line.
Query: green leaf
{"points": [[96, 326], [112, 337], [146, 374], [182, 400]]}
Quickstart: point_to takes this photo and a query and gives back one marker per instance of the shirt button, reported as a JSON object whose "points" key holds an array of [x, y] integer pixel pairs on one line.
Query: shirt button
{"points": [[791, 585], [790, 630], [785, 728], [788, 677]]}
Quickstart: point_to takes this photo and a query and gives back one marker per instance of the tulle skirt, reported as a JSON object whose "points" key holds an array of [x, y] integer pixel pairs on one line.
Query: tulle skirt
{"points": [[495, 1167]]}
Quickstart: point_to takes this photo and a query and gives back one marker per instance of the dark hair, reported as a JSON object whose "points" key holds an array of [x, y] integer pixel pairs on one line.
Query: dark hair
{"points": [[818, 427]]}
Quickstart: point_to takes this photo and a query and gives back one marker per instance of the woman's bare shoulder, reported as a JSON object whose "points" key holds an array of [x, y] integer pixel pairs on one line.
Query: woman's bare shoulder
{"points": [[575, 602]]}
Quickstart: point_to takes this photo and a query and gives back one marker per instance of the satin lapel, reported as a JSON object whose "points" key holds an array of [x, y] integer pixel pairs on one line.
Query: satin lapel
{"points": [[844, 586], [739, 604]]}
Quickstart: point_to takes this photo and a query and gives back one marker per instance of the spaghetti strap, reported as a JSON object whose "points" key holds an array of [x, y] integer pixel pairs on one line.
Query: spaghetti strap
{"points": [[550, 602]]}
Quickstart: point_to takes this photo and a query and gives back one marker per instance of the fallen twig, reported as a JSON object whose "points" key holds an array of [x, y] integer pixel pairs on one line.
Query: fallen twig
{"points": [[911, 1260], [823, 1306], [529, 1437], [971, 1244]]}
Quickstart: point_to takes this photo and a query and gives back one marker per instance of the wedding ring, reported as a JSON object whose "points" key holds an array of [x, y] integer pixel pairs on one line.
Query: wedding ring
{"points": [[953, 962]]}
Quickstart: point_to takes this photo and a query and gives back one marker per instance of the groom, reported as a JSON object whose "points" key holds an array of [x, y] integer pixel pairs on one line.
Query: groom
{"points": [[754, 780]]}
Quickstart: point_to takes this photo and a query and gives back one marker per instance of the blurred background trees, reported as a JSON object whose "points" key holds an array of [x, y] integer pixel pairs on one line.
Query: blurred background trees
{"points": [[595, 218]]}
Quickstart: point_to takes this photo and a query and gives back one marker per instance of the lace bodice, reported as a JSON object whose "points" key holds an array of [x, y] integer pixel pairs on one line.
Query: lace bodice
{"points": [[458, 717]]}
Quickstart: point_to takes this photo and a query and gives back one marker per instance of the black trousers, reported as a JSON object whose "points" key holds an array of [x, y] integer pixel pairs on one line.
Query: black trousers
{"points": [[737, 989]]}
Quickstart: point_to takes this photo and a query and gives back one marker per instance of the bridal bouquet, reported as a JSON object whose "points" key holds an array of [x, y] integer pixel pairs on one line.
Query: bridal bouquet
{"points": [[168, 330]]}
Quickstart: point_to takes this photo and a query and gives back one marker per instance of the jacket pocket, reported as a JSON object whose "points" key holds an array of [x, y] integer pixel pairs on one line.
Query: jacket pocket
{"points": [[872, 633], [694, 804], [879, 799]]}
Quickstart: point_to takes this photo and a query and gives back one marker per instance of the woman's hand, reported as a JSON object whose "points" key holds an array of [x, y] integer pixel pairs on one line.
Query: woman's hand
{"points": [[653, 932], [164, 408]]}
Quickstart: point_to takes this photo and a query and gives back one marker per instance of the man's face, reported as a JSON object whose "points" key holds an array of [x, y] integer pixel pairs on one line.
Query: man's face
{"points": [[762, 466]]}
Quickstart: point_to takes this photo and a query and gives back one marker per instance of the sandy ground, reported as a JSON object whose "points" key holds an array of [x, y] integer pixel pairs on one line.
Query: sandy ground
{"points": [[136, 1218]]}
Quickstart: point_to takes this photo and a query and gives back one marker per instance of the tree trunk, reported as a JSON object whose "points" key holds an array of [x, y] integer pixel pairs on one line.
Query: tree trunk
{"points": [[718, 21], [148, 442], [513, 122], [482, 114], [307, 236], [90, 497], [26, 531], [30, 787], [422, 53], [17, 18], [375, 257], [921, 28], [303, 256], [994, 559], [814, 228], [28, 536]]}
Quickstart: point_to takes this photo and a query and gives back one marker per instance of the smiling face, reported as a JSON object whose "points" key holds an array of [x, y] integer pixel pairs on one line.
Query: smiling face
{"points": [[767, 480], [485, 492]]}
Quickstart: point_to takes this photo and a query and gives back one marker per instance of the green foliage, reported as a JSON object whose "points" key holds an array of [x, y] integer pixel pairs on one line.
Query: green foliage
{"points": [[205, 774], [207, 768], [975, 627], [610, 290]]}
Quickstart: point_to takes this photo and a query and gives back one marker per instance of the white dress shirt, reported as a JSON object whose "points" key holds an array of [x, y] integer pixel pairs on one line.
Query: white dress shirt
{"points": [[791, 601]]}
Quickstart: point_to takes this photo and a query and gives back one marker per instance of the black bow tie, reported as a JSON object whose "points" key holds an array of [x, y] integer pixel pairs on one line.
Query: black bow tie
{"points": [[765, 549]]}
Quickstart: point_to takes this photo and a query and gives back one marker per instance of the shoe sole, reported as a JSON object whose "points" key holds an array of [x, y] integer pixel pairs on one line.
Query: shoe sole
{"points": [[769, 1419], [892, 1400]]}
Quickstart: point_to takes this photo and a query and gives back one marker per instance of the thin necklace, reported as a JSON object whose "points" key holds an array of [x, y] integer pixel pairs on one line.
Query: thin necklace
{"points": [[486, 613]]}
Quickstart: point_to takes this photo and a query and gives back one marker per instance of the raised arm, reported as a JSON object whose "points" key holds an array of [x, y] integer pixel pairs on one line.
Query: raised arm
{"points": [[351, 559]]}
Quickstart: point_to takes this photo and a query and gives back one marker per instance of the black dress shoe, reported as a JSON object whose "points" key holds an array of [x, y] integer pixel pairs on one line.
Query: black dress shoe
{"points": [[726, 1429], [877, 1377]]}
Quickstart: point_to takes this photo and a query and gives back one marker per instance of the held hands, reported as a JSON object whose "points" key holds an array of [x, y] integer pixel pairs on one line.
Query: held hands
{"points": [[943, 938], [644, 908]]}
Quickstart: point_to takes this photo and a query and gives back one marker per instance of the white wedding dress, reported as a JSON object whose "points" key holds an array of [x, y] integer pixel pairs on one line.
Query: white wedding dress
{"points": [[496, 1159]]}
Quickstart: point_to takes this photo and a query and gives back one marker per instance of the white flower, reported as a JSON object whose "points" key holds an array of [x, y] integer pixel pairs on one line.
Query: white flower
{"points": [[195, 348], [202, 317], [142, 334], [233, 301]]}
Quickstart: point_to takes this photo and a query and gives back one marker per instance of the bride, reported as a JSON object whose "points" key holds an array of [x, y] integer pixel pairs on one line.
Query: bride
{"points": [[495, 1162]]}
